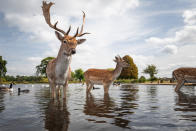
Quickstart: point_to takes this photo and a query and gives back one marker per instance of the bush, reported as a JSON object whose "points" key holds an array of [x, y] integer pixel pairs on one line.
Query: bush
{"points": [[142, 79], [153, 79], [123, 80], [135, 81]]}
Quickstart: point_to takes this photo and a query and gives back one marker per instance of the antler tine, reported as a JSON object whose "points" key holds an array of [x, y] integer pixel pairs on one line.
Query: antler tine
{"points": [[76, 33], [119, 57], [81, 34], [67, 33], [116, 57], [46, 13]]}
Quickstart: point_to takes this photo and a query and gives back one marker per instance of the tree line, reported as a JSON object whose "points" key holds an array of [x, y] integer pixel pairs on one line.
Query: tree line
{"points": [[130, 72]]}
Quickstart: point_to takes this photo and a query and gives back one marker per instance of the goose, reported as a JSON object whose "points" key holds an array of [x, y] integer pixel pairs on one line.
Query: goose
{"points": [[24, 91], [2, 88], [95, 88]]}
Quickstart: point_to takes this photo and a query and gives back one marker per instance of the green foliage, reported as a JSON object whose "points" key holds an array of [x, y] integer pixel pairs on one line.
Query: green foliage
{"points": [[135, 81], [151, 70], [142, 79], [3, 68], [25, 79], [41, 69], [153, 79], [123, 80], [130, 72], [79, 74], [72, 75], [110, 69]]}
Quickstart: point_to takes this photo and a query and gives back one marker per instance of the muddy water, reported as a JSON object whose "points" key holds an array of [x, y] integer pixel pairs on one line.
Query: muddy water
{"points": [[126, 107]]}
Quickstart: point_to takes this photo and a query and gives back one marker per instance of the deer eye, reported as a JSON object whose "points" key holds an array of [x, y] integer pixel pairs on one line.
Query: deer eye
{"points": [[64, 41]]}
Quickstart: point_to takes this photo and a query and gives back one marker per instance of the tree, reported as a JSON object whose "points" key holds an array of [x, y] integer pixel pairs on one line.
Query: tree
{"points": [[3, 68], [130, 72], [79, 74], [151, 70], [142, 79], [41, 69]]}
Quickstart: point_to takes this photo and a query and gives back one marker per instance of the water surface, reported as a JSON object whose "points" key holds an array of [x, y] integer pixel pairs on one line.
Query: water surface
{"points": [[126, 107]]}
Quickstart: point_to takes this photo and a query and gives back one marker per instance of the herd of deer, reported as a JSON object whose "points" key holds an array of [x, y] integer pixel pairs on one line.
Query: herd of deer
{"points": [[58, 70]]}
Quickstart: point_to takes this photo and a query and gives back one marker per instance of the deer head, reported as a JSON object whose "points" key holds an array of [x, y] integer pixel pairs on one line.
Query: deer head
{"points": [[120, 62], [68, 43]]}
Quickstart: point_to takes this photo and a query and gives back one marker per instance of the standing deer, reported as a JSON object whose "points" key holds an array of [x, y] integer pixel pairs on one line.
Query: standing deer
{"points": [[58, 70], [103, 76], [184, 75]]}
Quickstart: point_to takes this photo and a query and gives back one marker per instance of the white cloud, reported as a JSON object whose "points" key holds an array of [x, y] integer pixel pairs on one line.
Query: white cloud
{"points": [[184, 36], [190, 17]]}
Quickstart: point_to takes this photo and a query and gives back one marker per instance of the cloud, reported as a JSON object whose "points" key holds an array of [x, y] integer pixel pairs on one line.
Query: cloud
{"points": [[184, 36], [170, 49], [116, 27], [190, 17], [108, 21]]}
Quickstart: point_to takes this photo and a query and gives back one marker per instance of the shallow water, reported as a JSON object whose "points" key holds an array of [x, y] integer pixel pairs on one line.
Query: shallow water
{"points": [[127, 107]]}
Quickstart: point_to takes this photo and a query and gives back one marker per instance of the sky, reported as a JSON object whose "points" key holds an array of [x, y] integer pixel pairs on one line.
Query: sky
{"points": [[156, 32]]}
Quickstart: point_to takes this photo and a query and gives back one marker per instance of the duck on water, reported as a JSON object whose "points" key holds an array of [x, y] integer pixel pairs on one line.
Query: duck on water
{"points": [[10, 88], [23, 91]]}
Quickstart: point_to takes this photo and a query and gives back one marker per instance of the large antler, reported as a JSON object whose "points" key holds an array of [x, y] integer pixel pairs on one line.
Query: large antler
{"points": [[81, 34], [46, 13]]}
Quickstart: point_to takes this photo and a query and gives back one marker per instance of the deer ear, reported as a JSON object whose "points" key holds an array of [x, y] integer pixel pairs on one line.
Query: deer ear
{"points": [[59, 36], [80, 41]]}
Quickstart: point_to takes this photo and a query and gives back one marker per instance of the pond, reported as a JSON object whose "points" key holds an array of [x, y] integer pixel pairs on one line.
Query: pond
{"points": [[126, 107]]}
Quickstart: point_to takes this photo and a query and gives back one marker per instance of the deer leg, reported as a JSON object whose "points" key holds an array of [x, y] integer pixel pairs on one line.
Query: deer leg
{"points": [[106, 88], [53, 90], [65, 89], [179, 85], [87, 85], [58, 90], [90, 87]]}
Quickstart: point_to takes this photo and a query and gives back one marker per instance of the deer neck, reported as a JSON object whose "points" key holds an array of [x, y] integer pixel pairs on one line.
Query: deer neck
{"points": [[117, 71], [62, 65]]}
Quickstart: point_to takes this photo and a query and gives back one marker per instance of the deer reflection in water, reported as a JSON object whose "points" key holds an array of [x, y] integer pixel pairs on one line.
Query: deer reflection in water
{"points": [[106, 108], [57, 116], [186, 103]]}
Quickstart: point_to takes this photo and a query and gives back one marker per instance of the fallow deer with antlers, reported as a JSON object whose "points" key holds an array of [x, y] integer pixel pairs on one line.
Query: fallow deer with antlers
{"points": [[103, 76], [184, 75], [58, 70]]}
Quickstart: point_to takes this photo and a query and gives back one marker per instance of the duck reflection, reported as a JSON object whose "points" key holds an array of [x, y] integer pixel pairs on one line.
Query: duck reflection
{"points": [[187, 103], [57, 116], [107, 108]]}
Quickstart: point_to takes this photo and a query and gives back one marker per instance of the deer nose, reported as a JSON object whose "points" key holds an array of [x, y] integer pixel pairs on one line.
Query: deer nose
{"points": [[73, 51]]}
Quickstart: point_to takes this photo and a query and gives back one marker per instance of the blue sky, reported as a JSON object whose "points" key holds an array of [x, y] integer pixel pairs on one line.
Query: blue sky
{"points": [[151, 31]]}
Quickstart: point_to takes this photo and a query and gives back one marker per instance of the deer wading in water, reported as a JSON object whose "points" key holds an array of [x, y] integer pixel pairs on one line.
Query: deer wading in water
{"points": [[58, 70], [184, 75], [103, 76]]}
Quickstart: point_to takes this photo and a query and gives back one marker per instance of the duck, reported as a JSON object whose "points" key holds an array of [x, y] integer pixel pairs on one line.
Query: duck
{"points": [[24, 91], [95, 88], [10, 88]]}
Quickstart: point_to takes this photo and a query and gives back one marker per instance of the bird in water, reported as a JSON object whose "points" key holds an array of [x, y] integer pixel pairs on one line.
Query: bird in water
{"points": [[10, 88], [23, 91]]}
